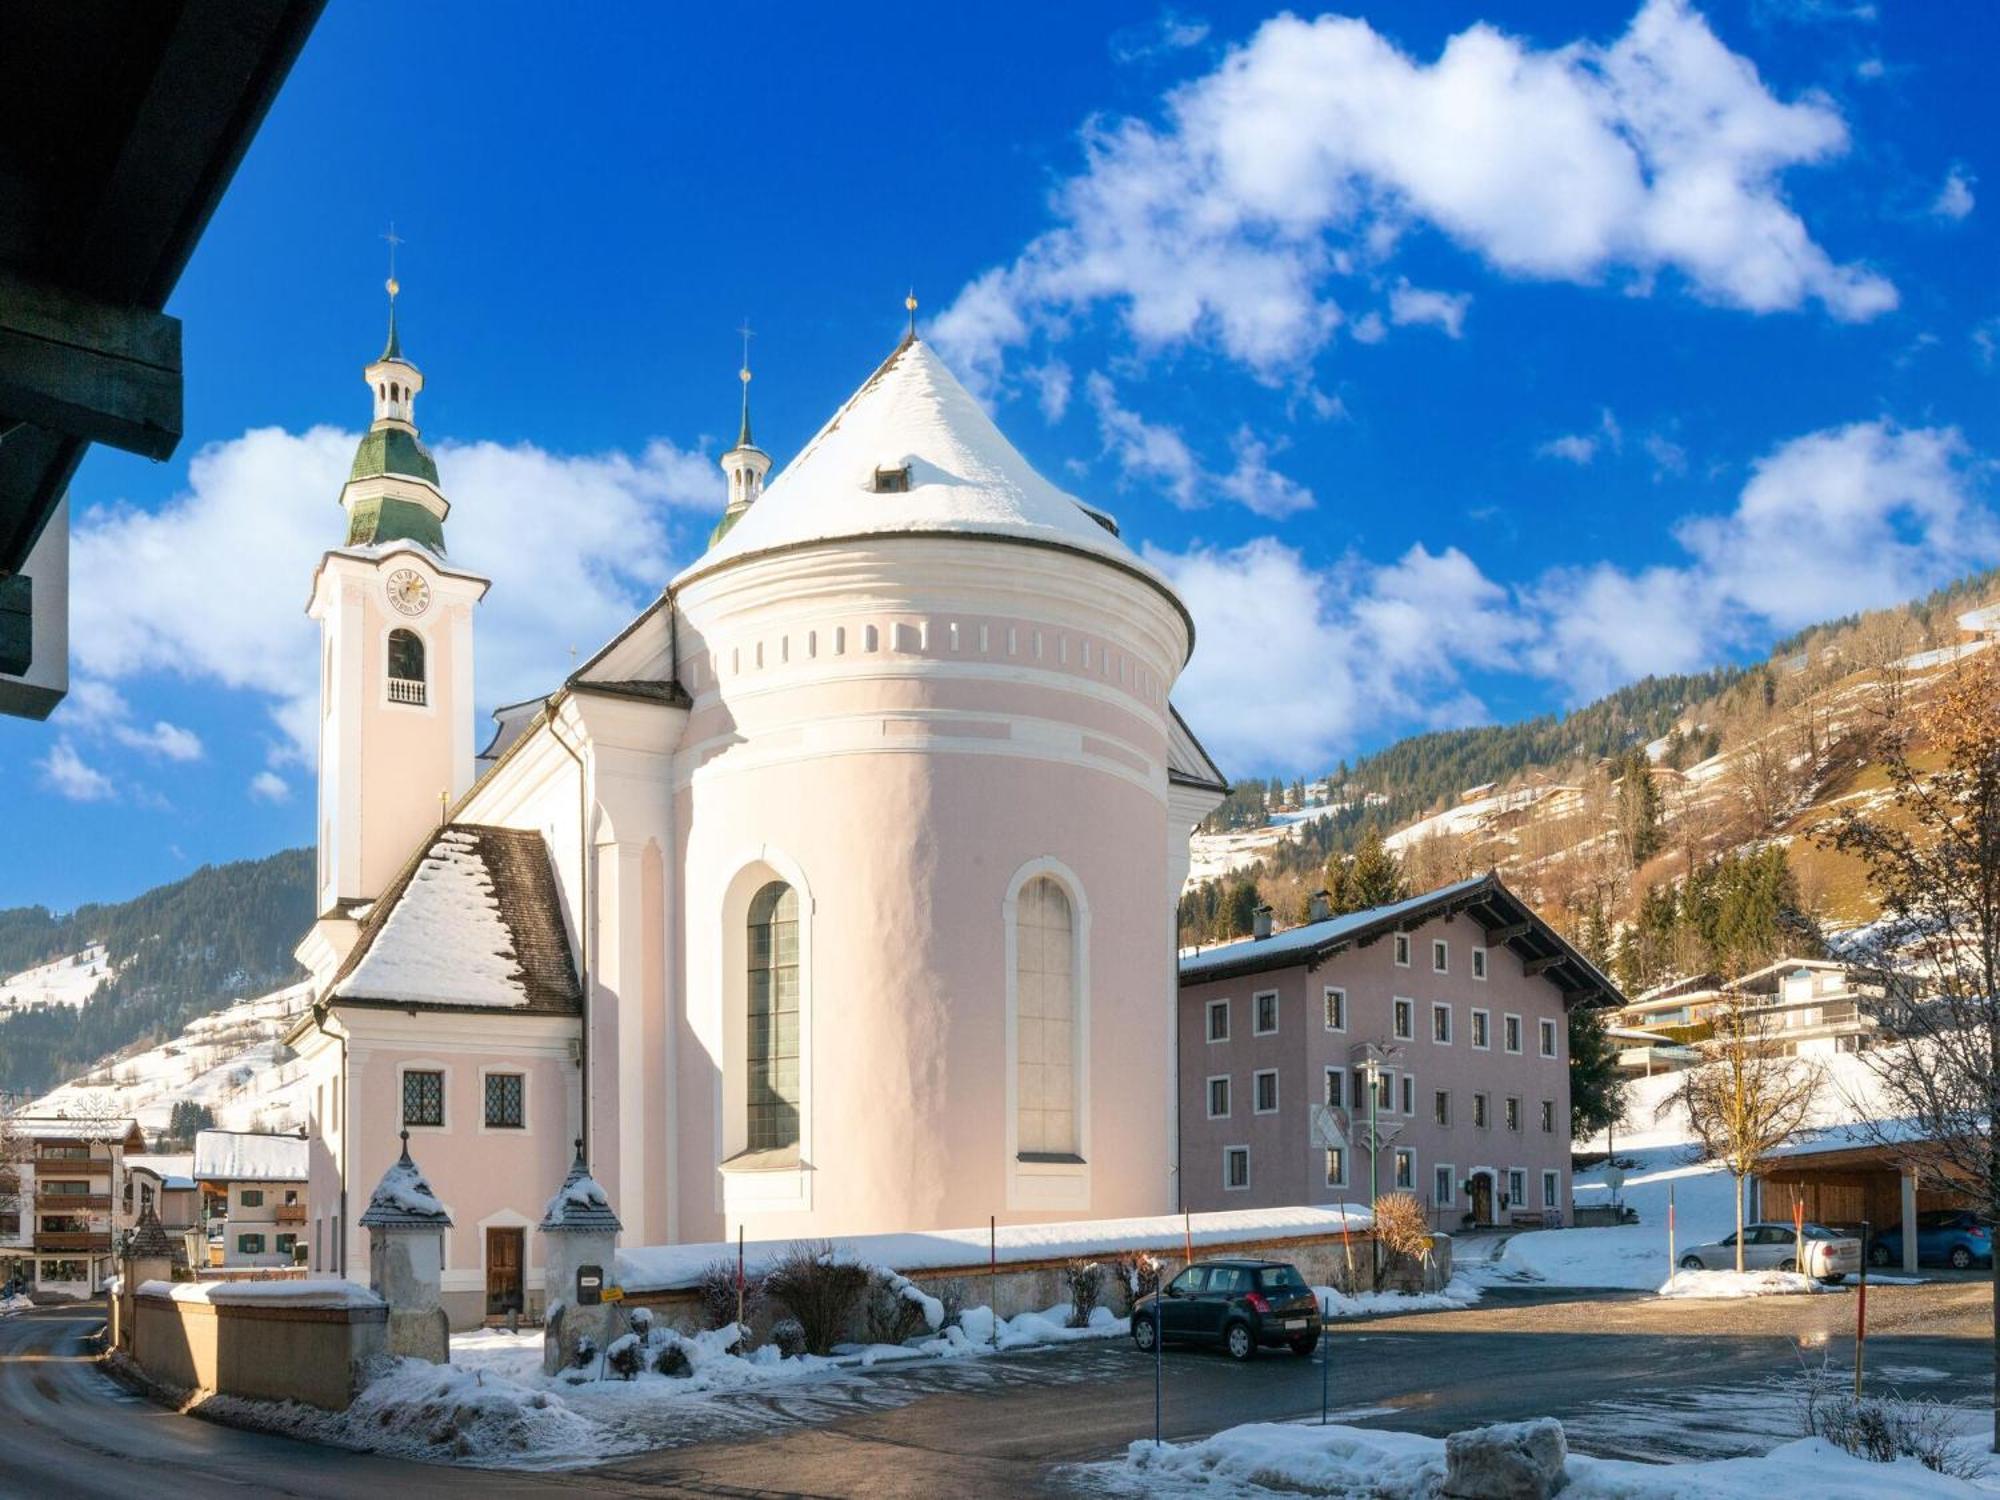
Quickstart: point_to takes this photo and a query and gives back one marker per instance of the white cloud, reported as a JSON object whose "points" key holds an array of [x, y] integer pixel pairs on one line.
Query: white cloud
{"points": [[1052, 387], [97, 709], [1954, 199], [1582, 447], [268, 786], [1311, 150], [1414, 305], [1669, 458], [1300, 663], [1156, 454], [1169, 32], [65, 773], [212, 586]]}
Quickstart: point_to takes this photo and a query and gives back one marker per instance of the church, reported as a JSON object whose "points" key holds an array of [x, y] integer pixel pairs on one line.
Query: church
{"points": [[835, 894]]}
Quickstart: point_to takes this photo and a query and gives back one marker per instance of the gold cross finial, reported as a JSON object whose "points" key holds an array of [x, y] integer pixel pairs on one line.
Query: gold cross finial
{"points": [[748, 334], [910, 303], [394, 240]]}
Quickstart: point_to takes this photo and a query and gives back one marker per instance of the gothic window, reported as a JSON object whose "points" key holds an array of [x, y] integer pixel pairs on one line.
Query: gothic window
{"points": [[772, 1032], [1045, 1020], [406, 667]]}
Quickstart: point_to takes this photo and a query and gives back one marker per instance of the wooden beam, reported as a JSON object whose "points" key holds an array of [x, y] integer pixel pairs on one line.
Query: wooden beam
{"points": [[87, 369], [1536, 966], [1495, 936]]}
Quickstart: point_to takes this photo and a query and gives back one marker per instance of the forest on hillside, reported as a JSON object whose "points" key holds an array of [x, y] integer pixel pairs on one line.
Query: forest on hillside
{"points": [[178, 951]]}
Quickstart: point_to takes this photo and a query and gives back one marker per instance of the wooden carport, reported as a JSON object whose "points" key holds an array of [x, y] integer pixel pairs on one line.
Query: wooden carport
{"points": [[1844, 1187]]}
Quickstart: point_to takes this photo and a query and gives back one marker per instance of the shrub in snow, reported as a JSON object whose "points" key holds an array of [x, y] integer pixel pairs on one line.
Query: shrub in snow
{"points": [[788, 1336], [1884, 1428], [672, 1360], [716, 1287], [1403, 1230], [892, 1315], [1085, 1280], [1138, 1276], [586, 1351], [951, 1298], [640, 1321], [817, 1290], [626, 1357]]}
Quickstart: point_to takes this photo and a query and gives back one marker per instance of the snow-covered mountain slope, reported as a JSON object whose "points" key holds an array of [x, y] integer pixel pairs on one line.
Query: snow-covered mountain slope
{"points": [[69, 980], [233, 1061]]}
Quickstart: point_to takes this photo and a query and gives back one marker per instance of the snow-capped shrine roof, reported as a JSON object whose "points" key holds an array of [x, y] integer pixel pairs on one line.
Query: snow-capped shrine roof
{"points": [[965, 478], [248, 1156], [474, 921], [580, 1204], [403, 1199]]}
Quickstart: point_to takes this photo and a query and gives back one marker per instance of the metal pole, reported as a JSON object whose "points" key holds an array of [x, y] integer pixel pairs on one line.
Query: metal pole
{"points": [[1374, 1183], [993, 1273], [1325, 1356], [1861, 1308], [739, 1274], [1159, 1358], [1672, 1267]]}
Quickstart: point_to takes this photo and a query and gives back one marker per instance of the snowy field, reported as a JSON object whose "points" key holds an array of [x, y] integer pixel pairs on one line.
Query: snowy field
{"points": [[233, 1061], [1294, 1458], [69, 980]]}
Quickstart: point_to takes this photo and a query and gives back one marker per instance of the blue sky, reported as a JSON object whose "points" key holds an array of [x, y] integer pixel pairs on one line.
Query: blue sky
{"points": [[1458, 362]]}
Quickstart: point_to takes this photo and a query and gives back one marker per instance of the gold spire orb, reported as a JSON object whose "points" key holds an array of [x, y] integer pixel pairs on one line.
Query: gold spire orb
{"points": [[393, 285], [744, 374], [910, 302]]}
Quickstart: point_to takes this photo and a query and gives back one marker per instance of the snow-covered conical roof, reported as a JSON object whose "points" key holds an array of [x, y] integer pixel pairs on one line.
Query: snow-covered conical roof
{"points": [[965, 478], [580, 1204], [403, 1199]]}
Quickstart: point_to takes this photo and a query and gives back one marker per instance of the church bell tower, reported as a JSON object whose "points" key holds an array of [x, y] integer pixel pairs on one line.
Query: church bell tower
{"points": [[395, 725], [745, 465]]}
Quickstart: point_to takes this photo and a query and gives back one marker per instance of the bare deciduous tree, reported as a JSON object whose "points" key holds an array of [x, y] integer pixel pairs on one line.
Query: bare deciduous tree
{"points": [[1933, 861], [1748, 1099]]}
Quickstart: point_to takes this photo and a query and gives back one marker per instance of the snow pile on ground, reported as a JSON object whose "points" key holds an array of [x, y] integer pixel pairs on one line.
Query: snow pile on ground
{"points": [[234, 1061], [445, 940], [1719, 1284], [666, 1267], [1460, 1291], [1272, 1458], [11, 1305], [323, 1292]]}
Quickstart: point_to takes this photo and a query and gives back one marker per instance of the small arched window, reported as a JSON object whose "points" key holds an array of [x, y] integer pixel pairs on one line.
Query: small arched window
{"points": [[1045, 1019], [771, 1029], [406, 667]]}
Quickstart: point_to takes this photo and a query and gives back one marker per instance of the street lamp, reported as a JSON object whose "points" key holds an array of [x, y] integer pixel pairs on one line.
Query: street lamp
{"points": [[1373, 1068]]}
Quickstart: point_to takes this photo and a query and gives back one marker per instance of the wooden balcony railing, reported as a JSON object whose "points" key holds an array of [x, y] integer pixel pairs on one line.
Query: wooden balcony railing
{"points": [[290, 1213], [70, 1240], [72, 1202]]}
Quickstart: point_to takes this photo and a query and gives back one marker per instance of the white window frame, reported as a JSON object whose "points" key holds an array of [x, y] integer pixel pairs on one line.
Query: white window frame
{"points": [[1445, 1175], [1040, 1182], [1482, 1110], [425, 1065], [1407, 1083], [1440, 956], [1552, 1193], [1545, 1028], [527, 1107], [1403, 1182], [790, 1189], [1402, 950], [1257, 999], [1228, 1095], [1549, 1117], [1335, 1071], [1229, 1152], [1449, 1112], [1397, 1010], [1479, 963], [1480, 1014], [1520, 1037], [1510, 1112], [1516, 1177], [1208, 1021], [1341, 1153], [1441, 1008], [1334, 997], [1256, 1080]]}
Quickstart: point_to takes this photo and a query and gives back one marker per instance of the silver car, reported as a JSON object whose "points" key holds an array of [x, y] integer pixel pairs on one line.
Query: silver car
{"points": [[1829, 1255]]}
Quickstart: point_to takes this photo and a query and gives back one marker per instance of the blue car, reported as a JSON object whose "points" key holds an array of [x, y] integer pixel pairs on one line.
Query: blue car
{"points": [[1945, 1237]]}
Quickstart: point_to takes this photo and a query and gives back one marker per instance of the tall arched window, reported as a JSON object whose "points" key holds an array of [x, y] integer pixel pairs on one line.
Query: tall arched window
{"points": [[771, 1032], [1045, 1019], [406, 667]]}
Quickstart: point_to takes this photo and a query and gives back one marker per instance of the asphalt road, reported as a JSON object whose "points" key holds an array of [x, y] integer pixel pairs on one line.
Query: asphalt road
{"points": [[1630, 1377]]}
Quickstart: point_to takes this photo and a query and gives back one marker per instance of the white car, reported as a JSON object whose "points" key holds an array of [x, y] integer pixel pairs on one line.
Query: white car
{"points": [[1829, 1255]]}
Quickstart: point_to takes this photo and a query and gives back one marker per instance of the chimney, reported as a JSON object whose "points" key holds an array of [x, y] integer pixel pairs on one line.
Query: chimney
{"points": [[1260, 923], [1319, 906]]}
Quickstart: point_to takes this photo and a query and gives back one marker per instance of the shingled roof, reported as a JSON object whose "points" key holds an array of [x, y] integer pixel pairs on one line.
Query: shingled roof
{"points": [[580, 1205], [473, 922], [403, 1198]]}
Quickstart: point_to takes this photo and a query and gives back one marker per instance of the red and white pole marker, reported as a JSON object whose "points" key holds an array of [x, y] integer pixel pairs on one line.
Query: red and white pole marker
{"points": [[1672, 1268]]}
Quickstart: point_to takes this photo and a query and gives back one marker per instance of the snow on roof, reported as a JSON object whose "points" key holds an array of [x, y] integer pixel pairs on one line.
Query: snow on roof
{"points": [[403, 1199], [661, 1267], [965, 478], [71, 1127], [580, 1204], [175, 1170], [325, 1292], [1309, 935], [475, 920], [246, 1156]]}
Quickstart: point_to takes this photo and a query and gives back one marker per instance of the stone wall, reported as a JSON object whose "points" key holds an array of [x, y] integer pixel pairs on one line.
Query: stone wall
{"points": [[266, 1351], [1034, 1286]]}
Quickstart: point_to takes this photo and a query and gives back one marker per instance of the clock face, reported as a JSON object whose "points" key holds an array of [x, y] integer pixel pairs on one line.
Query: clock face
{"points": [[408, 593]]}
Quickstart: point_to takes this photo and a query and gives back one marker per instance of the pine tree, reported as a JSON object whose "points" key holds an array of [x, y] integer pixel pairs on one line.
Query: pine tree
{"points": [[1638, 808], [1241, 913], [1371, 876]]}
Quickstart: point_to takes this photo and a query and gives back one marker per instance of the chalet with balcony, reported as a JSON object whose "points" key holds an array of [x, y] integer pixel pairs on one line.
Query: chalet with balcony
{"points": [[70, 1175], [255, 1188], [1807, 1006]]}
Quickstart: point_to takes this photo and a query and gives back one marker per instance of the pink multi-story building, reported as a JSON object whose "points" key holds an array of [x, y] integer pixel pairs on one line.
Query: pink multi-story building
{"points": [[1454, 1003]]}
